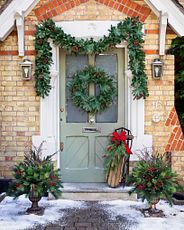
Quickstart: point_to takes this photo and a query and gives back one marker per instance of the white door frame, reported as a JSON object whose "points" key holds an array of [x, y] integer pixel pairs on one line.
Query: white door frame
{"points": [[49, 106]]}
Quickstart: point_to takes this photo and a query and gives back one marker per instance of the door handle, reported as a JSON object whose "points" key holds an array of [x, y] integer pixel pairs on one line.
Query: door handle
{"points": [[61, 146], [92, 120]]}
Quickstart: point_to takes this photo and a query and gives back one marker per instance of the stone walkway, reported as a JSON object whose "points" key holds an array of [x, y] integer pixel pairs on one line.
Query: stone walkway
{"points": [[92, 217]]}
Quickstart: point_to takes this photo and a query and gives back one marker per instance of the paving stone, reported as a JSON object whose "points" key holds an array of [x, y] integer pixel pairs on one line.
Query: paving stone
{"points": [[92, 228], [54, 228], [87, 225], [69, 228], [92, 217]]}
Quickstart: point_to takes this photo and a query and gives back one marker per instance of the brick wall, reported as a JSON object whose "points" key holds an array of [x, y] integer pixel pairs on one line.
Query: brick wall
{"points": [[129, 7], [85, 12], [19, 106], [19, 113]]}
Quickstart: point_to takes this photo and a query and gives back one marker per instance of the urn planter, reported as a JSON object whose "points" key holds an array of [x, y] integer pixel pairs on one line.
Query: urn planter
{"points": [[34, 197], [34, 209], [153, 204]]}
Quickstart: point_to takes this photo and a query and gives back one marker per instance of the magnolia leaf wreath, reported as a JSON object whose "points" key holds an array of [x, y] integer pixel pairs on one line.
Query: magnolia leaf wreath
{"points": [[79, 88], [129, 30]]}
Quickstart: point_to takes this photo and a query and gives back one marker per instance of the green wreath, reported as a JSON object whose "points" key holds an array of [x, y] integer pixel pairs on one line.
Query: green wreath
{"points": [[79, 88]]}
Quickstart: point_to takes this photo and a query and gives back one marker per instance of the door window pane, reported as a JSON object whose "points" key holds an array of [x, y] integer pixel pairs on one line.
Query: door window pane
{"points": [[108, 62], [74, 64]]}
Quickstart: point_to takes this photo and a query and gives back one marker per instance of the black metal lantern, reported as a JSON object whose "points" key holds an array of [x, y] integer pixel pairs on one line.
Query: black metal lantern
{"points": [[157, 69], [26, 69]]}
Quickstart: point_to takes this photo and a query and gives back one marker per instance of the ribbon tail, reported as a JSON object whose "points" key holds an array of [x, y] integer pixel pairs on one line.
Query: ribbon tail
{"points": [[128, 150]]}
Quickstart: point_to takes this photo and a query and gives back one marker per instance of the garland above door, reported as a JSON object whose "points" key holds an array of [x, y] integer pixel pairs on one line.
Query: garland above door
{"points": [[129, 30]]}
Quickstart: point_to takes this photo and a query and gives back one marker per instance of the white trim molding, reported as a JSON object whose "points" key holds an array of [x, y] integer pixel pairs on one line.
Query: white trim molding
{"points": [[136, 121], [87, 29], [49, 112], [19, 19], [162, 36]]}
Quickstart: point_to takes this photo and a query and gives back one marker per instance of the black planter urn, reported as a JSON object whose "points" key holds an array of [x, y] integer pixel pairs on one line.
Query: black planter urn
{"points": [[34, 197]]}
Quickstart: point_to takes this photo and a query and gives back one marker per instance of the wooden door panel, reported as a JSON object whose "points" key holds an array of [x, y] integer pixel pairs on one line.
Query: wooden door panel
{"points": [[101, 143], [78, 147]]}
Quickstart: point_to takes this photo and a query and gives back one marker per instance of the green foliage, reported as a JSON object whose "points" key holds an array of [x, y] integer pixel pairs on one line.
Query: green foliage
{"points": [[116, 150], [153, 178], [79, 89], [113, 156], [129, 30], [177, 48], [35, 172]]}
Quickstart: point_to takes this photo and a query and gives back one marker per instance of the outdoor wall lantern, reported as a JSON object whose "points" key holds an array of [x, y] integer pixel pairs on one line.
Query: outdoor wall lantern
{"points": [[26, 69], [157, 69]]}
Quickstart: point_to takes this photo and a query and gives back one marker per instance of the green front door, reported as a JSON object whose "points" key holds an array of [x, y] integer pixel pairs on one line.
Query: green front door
{"points": [[82, 156]]}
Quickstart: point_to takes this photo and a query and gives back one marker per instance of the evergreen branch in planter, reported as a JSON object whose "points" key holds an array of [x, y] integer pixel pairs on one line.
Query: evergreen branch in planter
{"points": [[153, 178], [38, 171], [129, 30]]}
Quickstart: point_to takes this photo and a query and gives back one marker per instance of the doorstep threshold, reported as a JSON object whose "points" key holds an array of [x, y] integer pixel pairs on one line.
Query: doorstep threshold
{"points": [[93, 188]]}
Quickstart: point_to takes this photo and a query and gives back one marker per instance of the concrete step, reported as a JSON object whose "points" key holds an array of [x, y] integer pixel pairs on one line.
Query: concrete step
{"points": [[95, 192]]}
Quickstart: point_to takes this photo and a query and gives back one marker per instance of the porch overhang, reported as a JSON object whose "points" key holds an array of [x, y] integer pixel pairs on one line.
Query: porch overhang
{"points": [[17, 10], [14, 15], [168, 13], [175, 16]]}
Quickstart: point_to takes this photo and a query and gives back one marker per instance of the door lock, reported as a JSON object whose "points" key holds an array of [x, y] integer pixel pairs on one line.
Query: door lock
{"points": [[61, 146], [61, 109]]}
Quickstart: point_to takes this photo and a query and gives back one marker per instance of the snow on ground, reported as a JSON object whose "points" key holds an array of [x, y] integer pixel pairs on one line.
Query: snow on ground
{"points": [[174, 216], [13, 217], [12, 213]]}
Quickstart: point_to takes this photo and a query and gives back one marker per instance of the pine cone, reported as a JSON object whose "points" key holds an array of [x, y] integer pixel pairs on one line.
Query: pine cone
{"points": [[45, 60], [40, 41], [75, 49], [136, 43], [40, 77]]}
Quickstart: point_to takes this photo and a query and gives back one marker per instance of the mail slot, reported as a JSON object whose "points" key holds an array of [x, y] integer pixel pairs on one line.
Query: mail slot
{"points": [[91, 130]]}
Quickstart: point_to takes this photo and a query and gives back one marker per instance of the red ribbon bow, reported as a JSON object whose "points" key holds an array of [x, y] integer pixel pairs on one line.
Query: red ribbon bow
{"points": [[121, 138]]}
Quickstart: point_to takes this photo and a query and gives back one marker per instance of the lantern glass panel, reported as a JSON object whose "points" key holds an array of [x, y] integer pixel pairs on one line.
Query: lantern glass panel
{"points": [[26, 72], [157, 71]]}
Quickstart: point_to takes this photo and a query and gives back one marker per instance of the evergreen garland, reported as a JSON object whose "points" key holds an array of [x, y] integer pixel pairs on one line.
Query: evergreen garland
{"points": [[129, 30], [79, 88]]}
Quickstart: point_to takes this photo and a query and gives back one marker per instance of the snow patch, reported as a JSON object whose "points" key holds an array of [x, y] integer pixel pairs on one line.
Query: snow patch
{"points": [[174, 218], [13, 217]]}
